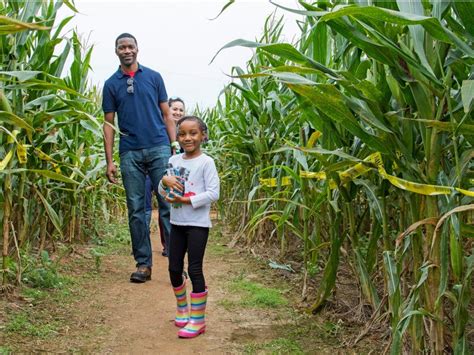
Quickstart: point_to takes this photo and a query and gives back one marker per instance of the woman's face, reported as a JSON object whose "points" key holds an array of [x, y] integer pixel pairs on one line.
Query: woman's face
{"points": [[177, 110]]}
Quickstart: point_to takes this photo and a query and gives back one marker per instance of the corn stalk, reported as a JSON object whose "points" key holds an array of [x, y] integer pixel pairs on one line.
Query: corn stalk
{"points": [[54, 174], [388, 87]]}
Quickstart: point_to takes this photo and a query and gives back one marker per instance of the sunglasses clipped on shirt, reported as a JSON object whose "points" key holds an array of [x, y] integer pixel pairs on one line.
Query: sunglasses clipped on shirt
{"points": [[130, 89]]}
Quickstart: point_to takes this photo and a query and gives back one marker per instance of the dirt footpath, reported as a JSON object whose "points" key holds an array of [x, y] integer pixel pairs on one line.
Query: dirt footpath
{"points": [[251, 308], [140, 317]]}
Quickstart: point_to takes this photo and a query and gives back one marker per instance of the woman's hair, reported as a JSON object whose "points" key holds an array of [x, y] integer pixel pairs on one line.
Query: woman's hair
{"points": [[175, 99], [200, 122]]}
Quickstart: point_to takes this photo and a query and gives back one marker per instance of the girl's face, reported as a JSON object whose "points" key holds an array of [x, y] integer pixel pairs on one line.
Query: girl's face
{"points": [[177, 110], [190, 138]]}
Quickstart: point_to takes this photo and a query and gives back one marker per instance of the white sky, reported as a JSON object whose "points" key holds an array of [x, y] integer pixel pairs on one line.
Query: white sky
{"points": [[177, 39]]}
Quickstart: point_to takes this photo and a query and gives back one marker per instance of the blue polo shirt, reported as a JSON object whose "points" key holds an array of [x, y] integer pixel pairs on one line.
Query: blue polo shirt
{"points": [[139, 116]]}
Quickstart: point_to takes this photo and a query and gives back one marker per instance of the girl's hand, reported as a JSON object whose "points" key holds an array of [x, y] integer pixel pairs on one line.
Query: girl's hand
{"points": [[173, 182], [173, 197]]}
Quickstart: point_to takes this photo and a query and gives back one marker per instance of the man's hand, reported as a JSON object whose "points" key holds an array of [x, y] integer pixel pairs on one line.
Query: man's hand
{"points": [[111, 173]]}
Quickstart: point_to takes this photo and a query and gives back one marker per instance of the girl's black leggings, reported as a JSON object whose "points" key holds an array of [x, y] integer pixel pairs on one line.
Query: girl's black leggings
{"points": [[192, 240]]}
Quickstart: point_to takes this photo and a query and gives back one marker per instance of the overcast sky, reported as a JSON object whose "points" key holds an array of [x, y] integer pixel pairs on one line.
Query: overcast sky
{"points": [[177, 39]]}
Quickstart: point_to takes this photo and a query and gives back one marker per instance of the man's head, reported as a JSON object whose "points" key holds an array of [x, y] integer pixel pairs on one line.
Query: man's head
{"points": [[126, 48]]}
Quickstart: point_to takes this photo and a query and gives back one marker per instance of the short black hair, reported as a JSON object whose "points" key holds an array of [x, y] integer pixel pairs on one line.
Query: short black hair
{"points": [[200, 122], [125, 35]]}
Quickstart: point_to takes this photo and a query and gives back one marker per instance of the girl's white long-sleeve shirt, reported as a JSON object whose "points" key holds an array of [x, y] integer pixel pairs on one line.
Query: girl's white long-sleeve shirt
{"points": [[201, 186]]}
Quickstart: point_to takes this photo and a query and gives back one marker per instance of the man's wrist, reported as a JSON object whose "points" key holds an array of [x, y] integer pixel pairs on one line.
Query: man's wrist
{"points": [[175, 145]]}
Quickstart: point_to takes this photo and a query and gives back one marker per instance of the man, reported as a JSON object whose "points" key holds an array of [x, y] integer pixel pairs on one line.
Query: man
{"points": [[138, 95]]}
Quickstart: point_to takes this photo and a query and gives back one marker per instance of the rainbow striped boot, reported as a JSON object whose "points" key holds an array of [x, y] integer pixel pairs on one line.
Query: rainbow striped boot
{"points": [[182, 313], [196, 324]]}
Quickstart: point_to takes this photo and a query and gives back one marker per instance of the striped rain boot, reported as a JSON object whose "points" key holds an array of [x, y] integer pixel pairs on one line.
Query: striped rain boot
{"points": [[196, 324], [182, 313]]}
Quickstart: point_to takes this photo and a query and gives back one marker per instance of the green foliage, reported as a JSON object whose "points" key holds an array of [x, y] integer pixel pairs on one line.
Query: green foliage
{"points": [[111, 238], [5, 350], [52, 184], [34, 294], [23, 324], [319, 143], [256, 295], [97, 258], [219, 249], [45, 274], [277, 346]]}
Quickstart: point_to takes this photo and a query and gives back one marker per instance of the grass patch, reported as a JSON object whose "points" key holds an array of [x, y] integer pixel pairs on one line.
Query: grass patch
{"points": [[44, 273], [276, 346], [4, 350], [255, 295], [218, 249], [23, 324], [114, 239], [53, 284], [33, 295]]}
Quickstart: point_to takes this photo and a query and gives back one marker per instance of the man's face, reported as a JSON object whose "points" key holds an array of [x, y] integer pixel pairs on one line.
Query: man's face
{"points": [[126, 51]]}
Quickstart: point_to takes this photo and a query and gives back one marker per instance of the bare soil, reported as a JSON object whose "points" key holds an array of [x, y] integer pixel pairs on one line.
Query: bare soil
{"points": [[108, 314], [140, 317]]}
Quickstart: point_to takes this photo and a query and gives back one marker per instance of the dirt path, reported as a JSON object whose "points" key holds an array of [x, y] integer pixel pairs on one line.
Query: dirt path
{"points": [[102, 312], [139, 317]]}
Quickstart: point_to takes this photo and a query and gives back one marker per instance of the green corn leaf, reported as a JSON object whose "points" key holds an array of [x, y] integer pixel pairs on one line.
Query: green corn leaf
{"points": [[370, 192], [443, 126], [9, 25], [392, 273], [53, 216], [327, 99], [70, 4], [46, 173], [284, 50], [21, 75], [467, 93], [432, 25], [230, 2], [367, 285], [465, 10], [330, 271], [39, 101], [456, 254], [14, 120], [417, 32]]}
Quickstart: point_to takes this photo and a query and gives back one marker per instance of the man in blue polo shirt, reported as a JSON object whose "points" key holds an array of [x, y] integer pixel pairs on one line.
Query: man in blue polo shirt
{"points": [[138, 95]]}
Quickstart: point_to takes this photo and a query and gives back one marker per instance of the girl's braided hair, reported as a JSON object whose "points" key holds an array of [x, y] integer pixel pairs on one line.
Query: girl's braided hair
{"points": [[200, 122]]}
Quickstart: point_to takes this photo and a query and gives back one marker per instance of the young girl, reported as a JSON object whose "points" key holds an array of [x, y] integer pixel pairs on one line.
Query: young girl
{"points": [[190, 186]]}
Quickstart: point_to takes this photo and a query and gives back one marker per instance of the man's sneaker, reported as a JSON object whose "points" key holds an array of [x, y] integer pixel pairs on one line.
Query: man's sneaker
{"points": [[142, 274]]}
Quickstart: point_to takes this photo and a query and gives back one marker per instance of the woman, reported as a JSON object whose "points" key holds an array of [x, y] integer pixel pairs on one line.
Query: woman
{"points": [[177, 108]]}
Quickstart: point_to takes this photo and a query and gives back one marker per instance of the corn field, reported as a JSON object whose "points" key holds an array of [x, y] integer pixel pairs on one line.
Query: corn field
{"points": [[350, 147], [51, 155], [355, 143]]}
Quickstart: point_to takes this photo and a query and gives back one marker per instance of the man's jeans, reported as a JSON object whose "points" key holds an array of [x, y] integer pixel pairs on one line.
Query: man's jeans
{"points": [[164, 234], [135, 165]]}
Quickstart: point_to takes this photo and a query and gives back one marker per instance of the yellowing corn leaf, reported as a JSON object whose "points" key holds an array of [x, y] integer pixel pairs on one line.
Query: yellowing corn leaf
{"points": [[6, 160], [21, 153]]}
